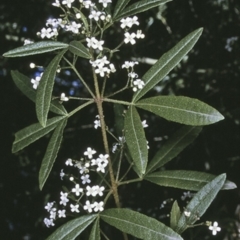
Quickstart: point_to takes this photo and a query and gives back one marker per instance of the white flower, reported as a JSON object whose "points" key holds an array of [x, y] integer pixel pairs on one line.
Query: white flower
{"points": [[46, 33], [77, 190], [101, 168], [97, 124], [105, 2], [63, 97], [74, 27], [101, 70], [103, 159], [69, 162], [62, 174], [140, 34], [90, 191], [48, 222], [91, 42], [99, 190], [98, 206], [74, 208], [49, 206], [187, 214], [89, 152], [88, 206], [64, 198], [130, 38], [98, 45], [61, 213], [27, 41], [144, 124], [128, 64], [112, 68], [68, 3], [95, 15], [87, 4], [129, 22], [132, 75], [139, 84], [53, 213], [36, 81], [214, 228], [85, 179], [78, 15], [56, 3]]}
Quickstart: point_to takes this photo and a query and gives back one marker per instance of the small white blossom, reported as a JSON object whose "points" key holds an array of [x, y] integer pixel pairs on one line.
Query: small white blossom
{"points": [[89, 152], [36, 81], [101, 70], [62, 174], [77, 190], [61, 213], [87, 4], [140, 34], [187, 214], [101, 168], [128, 64], [130, 38], [74, 208], [98, 45], [63, 198], [91, 42], [63, 97], [73, 27], [90, 191], [99, 190], [48, 222], [97, 124], [105, 2], [88, 206], [98, 206], [112, 68], [78, 15], [49, 206], [103, 159], [69, 162], [53, 213], [95, 15], [214, 228], [56, 3], [144, 124], [45, 32], [68, 3], [85, 179], [132, 75], [27, 41], [129, 22], [139, 84]]}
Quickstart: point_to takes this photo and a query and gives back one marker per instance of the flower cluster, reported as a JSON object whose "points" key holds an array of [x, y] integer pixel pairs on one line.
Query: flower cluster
{"points": [[72, 197]]}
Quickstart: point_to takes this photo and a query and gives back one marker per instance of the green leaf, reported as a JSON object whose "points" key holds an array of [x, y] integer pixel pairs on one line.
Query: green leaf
{"points": [[25, 86], [79, 49], [33, 132], [200, 203], [174, 215], [71, 229], [138, 225], [167, 62], [180, 109], [183, 179], [35, 48], [175, 144], [95, 232], [44, 90], [120, 5], [51, 153], [119, 118], [140, 6], [136, 140]]}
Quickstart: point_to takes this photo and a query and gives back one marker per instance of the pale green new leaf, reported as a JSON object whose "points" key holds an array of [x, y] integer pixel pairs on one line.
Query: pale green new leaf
{"points": [[184, 179], [35, 48], [180, 109], [175, 214], [45, 87], [120, 5], [79, 49], [138, 225], [167, 62], [25, 86], [175, 144], [95, 232], [73, 228], [200, 203], [51, 153], [33, 132], [140, 6], [136, 140]]}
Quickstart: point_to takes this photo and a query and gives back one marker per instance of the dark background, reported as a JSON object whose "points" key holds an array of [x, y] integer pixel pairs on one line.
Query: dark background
{"points": [[211, 74]]}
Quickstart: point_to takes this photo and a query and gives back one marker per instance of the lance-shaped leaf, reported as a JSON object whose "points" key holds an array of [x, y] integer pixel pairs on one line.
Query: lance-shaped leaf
{"points": [[180, 109], [200, 203], [120, 5], [33, 132], [138, 225], [167, 62], [180, 140], [23, 83], [44, 91], [175, 215], [95, 232], [183, 179], [35, 48], [140, 6], [51, 153], [79, 49], [72, 229], [136, 140]]}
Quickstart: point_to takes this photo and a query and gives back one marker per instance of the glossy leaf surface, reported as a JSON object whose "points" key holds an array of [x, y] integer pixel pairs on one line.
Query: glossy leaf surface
{"points": [[44, 90], [25, 86], [95, 231], [120, 5], [136, 140], [35, 48], [200, 203], [167, 62], [183, 179], [79, 49], [138, 225], [33, 132], [140, 6], [175, 144], [175, 214], [183, 110], [51, 153], [71, 229]]}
